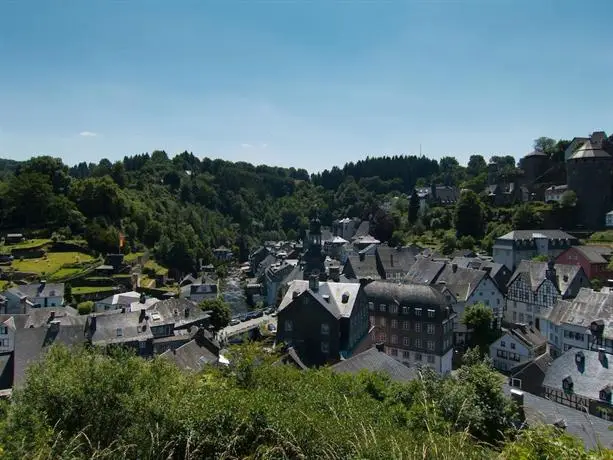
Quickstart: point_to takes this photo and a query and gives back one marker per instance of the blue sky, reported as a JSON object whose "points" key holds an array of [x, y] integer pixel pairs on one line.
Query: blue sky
{"points": [[305, 84]]}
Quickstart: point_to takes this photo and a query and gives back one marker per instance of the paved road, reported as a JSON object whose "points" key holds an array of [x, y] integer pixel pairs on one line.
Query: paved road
{"points": [[230, 331]]}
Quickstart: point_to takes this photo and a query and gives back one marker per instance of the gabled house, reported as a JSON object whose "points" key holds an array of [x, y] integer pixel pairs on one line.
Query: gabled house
{"points": [[582, 380], [223, 254], [518, 345], [362, 267], [35, 295], [7, 334], [277, 276], [585, 322], [121, 328], [200, 290], [257, 256], [592, 258], [518, 245], [468, 287], [375, 359], [499, 273], [345, 228], [395, 263], [123, 300], [323, 321], [535, 287]]}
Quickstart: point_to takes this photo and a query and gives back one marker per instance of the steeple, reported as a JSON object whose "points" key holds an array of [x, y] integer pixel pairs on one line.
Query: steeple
{"points": [[314, 257]]}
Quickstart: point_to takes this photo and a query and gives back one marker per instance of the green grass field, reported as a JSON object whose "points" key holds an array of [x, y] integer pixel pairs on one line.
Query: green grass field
{"points": [[64, 273], [28, 244], [3, 285], [157, 268], [129, 258], [79, 290], [51, 264]]}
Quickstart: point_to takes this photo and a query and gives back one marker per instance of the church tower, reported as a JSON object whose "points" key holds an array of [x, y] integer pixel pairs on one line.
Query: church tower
{"points": [[314, 257]]}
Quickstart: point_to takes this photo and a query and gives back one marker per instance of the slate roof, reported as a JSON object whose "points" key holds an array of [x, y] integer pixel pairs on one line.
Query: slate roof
{"points": [[534, 273], [363, 229], [123, 299], [31, 343], [532, 373], [499, 273], [119, 328], [589, 150], [17, 321], [587, 380], [424, 271], [595, 254], [586, 307], [590, 429], [462, 282], [528, 335], [531, 234], [38, 290], [190, 356], [334, 291], [395, 260], [376, 361], [405, 294], [173, 311], [364, 266], [279, 271], [67, 316]]}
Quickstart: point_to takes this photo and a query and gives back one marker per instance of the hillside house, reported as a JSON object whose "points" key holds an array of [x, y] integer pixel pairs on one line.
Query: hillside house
{"points": [[518, 345], [323, 321], [593, 259], [35, 295], [518, 245], [535, 287]]}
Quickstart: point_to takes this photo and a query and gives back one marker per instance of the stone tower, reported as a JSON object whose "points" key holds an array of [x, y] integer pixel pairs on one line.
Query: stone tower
{"points": [[314, 257], [589, 174]]}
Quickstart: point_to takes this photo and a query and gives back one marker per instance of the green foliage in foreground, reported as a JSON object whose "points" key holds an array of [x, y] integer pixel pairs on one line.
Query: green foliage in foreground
{"points": [[80, 404]]}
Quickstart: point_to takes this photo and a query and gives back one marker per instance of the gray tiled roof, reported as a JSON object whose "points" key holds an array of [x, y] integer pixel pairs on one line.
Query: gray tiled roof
{"points": [[588, 379], [39, 317], [405, 294], [376, 361], [531, 234], [333, 291], [530, 336], [120, 327], [589, 150], [364, 266], [173, 311], [586, 307], [424, 271], [588, 428], [461, 281], [396, 260], [191, 356], [595, 254], [363, 229], [39, 290], [534, 273]]}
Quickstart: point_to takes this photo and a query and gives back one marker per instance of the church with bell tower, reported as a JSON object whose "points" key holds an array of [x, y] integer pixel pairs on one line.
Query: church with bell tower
{"points": [[314, 257]]}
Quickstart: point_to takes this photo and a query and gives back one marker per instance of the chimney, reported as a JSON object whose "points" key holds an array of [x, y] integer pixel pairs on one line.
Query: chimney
{"points": [[54, 326], [602, 356], [187, 312], [550, 273], [345, 297], [380, 346], [517, 396], [314, 283], [391, 260], [362, 256], [51, 315], [454, 268], [579, 358], [326, 297], [295, 294], [141, 316], [142, 298]]}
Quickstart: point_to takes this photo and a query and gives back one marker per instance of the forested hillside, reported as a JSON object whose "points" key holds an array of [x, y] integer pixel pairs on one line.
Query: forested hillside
{"points": [[183, 207]]}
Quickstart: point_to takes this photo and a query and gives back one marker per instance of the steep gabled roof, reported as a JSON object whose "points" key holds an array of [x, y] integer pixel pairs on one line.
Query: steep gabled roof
{"points": [[364, 266], [376, 361], [595, 254], [589, 150], [424, 271], [461, 281], [330, 295], [534, 274]]}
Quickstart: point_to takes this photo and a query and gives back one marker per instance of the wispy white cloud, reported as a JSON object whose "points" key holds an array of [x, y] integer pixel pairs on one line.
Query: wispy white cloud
{"points": [[246, 146], [88, 134], [264, 146]]}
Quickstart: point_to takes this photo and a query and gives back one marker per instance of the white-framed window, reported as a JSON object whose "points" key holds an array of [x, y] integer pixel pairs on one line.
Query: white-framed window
{"points": [[289, 325], [431, 313], [430, 344], [4, 343], [394, 324], [417, 343], [406, 341], [119, 332], [325, 347], [417, 326], [372, 319], [382, 307], [405, 325], [394, 309], [418, 312], [142, 345], [4, 330], [405, 310], [382, 321], [394, 339], [431, 359], [325, 329], [371, 306], [406, 355], [430, 328]]}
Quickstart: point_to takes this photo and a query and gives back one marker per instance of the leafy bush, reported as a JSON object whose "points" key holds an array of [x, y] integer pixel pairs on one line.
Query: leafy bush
{"points": [[85, 308]]}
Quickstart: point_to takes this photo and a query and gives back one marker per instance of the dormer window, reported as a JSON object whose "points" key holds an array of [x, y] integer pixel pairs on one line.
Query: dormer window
{"points": [[567, 384], [325, 328], [605, 393]]}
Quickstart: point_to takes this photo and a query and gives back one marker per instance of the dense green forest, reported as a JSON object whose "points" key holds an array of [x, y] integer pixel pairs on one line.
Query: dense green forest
{"points": [[183, 207], [81, 404]]}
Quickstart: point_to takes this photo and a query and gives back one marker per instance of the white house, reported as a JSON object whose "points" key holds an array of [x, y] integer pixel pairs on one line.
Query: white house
{"points": [[36, 295], [518, 245], [554, 193], [535, 287], [122, 300], [7, 335], [584, 322], [518, 345]]}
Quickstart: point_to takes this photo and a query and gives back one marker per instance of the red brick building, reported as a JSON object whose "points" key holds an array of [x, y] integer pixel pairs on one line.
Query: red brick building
{"points": [[593, 259]]}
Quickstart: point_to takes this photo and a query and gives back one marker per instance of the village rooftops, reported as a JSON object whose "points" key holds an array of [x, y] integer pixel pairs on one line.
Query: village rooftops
{"points": [[337, 298], [414, 295], [519, 235], [37, 290], [587, 307], [528, 335], [595, 254]]}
